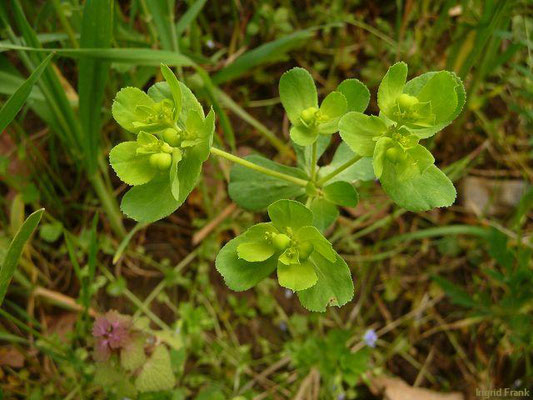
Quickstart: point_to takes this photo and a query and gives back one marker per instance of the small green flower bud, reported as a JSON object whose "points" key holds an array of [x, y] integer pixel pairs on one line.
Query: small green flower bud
{"points": [[171, 136], [406, 101], [392, 154], [305, 249], [308, 115], [161, 161], [281, 241]]}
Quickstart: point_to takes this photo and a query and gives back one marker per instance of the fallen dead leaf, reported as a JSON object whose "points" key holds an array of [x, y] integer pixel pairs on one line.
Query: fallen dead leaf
{"points": [[483, 196], [396, 389]]}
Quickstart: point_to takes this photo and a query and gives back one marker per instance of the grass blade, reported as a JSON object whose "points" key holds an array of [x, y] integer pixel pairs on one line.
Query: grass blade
{"points": [[162, 14], [96, 31], [261, 55], [14, 251], [189, 16], [136, 56], [17, 100]]}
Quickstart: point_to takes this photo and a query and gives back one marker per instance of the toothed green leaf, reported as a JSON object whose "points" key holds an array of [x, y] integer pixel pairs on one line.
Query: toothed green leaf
{"points": [[359, 131], [297, 276], [356, 94], [131, 168], [156, 374], [289, 213], [342, 194], [297, 92], [334, 286]]}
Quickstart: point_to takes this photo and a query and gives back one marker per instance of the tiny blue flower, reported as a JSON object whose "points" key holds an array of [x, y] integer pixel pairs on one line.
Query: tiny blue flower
{"points": [[283, 326], [370, 338], [288, 293], [341, 396]]}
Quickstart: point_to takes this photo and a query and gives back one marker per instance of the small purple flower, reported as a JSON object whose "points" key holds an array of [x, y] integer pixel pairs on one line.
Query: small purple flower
{"points": [[370, 338], [112, 332], [288, 293], [341, 396]]}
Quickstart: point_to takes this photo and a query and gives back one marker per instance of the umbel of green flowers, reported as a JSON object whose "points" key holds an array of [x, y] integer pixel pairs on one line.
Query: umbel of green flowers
{"points": [[409, 112], [173, 138], [304, 260]]}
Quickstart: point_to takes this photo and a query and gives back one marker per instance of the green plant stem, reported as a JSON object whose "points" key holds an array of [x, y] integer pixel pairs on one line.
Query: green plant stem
{"points": [[109, 204], [337, 171], [313, 161], [258, 168], [65, 23]]}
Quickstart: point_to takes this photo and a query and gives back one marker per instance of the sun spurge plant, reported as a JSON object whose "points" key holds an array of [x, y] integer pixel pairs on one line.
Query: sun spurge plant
{"points": [[174, 138]]}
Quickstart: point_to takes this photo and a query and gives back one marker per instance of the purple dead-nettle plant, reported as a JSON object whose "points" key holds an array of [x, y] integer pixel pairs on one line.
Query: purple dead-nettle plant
{"points": [[112, 332]]}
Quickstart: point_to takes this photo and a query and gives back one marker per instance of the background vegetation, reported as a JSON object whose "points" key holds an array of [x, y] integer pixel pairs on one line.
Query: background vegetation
{"points": [[448, 292]]}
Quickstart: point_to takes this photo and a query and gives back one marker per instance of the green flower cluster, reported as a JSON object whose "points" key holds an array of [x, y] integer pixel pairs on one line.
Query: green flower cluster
{"points": [[409, 111], [299, 97], [305, 261], [173, 140]]}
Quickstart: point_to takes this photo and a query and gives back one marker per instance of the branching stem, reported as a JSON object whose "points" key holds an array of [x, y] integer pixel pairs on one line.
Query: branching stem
{"points": [[337, 171], [258, 168]]}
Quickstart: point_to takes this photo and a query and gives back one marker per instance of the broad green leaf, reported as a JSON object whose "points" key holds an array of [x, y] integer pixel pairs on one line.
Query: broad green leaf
{"points": [[255, 251], [96, 31], [333, 105], [324, 213], [391, 87], [342, 194], [333, 288], [443, 89], [289, 213], [303, 136], [132, 356], [362, 170], [14, 251], [421, 192], [440, 92], [421, 156], [150, 202], [240, 274], [174, 86], [126, 109], [130, 167], [359, 131], [332, 108], [297, 92], [156, 374], [356, 94], [254, 191], [297, 276], [319, 242], [261, 55], [13, 105]]}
